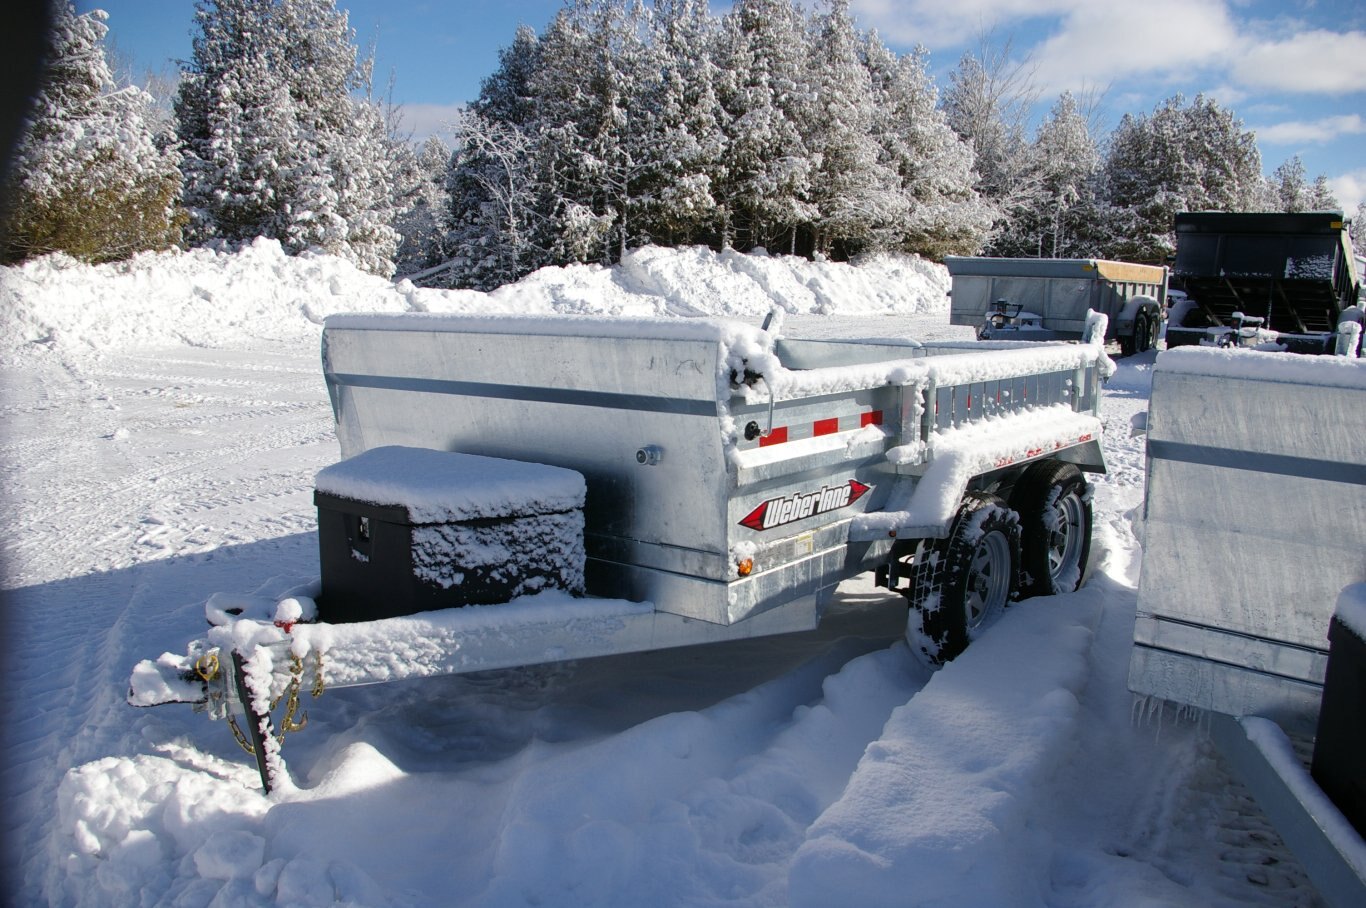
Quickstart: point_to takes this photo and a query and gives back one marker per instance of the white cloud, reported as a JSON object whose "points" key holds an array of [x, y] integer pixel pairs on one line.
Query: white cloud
{"points": [[1089, 43], [936, 23], [430, 120], [1317, 62], [1102, 43], [1301, 132], [1350, 189]]}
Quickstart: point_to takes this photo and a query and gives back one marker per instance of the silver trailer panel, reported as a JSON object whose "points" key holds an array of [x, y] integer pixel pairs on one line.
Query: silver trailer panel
{"points": [[1062, 291], [702, 443], [1254, 516]]}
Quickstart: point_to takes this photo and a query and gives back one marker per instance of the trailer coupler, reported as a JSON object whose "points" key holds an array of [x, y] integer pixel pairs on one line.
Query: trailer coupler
{"points": [[227, 685]]}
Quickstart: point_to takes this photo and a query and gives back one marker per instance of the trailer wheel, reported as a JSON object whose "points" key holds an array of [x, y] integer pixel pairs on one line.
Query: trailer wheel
{"points": [[964, 582], [1141, 340], [1055, 520]]}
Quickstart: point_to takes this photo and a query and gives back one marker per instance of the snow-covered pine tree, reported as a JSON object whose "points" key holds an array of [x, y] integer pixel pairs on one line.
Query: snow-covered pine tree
{"points": [[90, 177], [987, 102], [768, 102], [571, 135], [625, 140], [1288, 188], [423, 219], [491, 187], [1179, 158], [496, 230], [1322, 197], [275, 142], [1063, 164], [944, 215], [684, 127], [858, 195]]}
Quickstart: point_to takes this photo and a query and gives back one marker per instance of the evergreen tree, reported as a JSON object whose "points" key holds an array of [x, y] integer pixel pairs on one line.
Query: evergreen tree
{"points": [[423, 221], [496, 230], [624, 124], [1180, 158], [1288, 188], [1062, 164], [1357, 230], [273, 141], [577, 112], [944, 214], [1321, 197], [765, 191], [857, 194], [684, 126], [91, 177], [491, 182]]}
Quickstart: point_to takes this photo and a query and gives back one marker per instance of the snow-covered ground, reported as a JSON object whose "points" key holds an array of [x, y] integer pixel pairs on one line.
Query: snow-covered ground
{"points": [[163, 422]]}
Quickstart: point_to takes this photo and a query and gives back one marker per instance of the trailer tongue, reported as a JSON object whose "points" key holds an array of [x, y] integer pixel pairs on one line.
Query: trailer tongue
{"points": [[730, 479]]}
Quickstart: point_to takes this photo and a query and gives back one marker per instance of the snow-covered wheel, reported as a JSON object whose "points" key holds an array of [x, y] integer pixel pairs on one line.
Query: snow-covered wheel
{"points": [[962, 584], [1054, 504]]}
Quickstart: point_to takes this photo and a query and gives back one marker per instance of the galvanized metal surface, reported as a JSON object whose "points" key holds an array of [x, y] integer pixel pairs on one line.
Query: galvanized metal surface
{"points": [[1254, 517], [1059, 290], [1320, 837], [687, 472]]}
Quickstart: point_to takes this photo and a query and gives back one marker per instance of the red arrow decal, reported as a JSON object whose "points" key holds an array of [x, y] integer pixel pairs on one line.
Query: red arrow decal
{"points": [[755, 519]]}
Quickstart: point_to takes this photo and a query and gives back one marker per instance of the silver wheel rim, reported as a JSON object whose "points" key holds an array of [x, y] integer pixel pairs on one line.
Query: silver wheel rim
{"points": [[1064, 540], [988, 580]]}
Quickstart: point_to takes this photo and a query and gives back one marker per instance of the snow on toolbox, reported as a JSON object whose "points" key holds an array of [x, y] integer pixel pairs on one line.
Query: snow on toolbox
{"points": [[732, 479], [404, 530]]}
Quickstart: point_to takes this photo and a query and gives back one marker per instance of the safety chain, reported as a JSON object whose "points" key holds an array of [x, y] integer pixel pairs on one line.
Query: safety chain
{"points": [[207, 667]]}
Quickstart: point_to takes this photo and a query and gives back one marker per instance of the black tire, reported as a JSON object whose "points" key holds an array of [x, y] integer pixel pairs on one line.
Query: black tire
{"points": [[1054, 503], [1143, 333], [964, 582], [1140, 340]]}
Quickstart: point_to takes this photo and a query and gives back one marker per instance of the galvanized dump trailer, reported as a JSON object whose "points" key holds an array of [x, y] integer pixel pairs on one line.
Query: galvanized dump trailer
{"points": [[1290, 275], [1048, 299], [732, 480], [1253, 534]]}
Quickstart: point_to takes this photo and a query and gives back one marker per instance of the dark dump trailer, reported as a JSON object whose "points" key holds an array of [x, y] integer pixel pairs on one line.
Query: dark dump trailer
{"points": [[1253, 278]]}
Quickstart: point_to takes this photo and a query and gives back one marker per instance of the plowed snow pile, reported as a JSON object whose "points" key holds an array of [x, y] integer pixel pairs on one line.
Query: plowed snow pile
{"points": [[207, 298]]}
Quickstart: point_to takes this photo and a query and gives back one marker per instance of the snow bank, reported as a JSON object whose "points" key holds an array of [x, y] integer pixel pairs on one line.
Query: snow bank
{"points": [[208, 298], [937, 811]]}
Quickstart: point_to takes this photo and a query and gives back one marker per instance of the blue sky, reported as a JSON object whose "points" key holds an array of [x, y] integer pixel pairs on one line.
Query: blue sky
{"points": [[1293, 71]]}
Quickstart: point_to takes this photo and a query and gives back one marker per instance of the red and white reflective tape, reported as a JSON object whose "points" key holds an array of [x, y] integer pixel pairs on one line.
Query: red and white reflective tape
{"points": [[831, 426], [1044, 449]]}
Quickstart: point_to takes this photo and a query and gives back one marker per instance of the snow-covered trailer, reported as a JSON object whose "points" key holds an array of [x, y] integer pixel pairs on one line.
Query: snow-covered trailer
{"points": [[1253, 535], [1289, 276], [1048, 299], [733, 478]]}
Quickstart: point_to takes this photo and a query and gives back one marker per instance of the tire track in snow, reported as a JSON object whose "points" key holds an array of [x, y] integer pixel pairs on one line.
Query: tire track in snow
{"points": [[127, 508], [84, 585]]}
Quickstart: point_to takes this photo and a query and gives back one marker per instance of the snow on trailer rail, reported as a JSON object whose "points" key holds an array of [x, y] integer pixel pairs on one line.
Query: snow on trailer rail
{"points": [[681, 482]]}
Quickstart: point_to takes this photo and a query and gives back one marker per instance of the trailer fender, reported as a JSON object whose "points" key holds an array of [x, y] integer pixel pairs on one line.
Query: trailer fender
{"points": [[1124, 322], [1138, 325]]}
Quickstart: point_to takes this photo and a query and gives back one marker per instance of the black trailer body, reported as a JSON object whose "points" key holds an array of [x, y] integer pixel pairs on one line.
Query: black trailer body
{"points": [[1296, 272]]}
